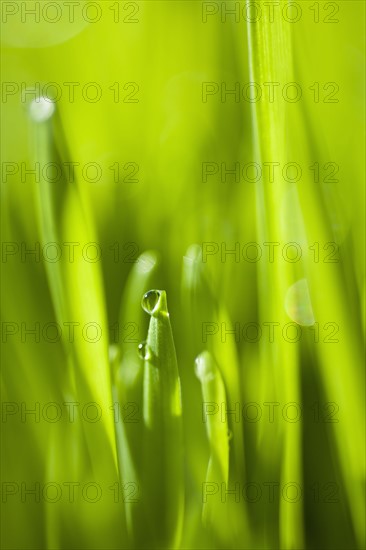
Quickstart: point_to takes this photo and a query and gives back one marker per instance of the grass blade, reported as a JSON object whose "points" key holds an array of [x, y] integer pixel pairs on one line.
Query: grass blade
{"points": [[163, 484], [127, 372], [214, 395]]}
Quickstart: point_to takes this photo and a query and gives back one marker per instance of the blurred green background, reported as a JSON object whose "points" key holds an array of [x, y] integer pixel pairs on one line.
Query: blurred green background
{"points": [[142, 122]]}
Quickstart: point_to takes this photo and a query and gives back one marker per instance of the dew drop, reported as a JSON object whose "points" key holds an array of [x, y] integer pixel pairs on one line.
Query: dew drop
{"points": [[298, 304], [143, 350], [150, 301], [41, 109]]}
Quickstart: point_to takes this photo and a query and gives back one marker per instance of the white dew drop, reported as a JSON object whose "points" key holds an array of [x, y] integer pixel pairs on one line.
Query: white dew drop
{"points": [[298, 304], [41, 109], [144, 351], [150, 301]]}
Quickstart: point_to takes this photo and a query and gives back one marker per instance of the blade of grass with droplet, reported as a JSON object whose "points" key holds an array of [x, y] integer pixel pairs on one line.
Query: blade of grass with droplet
{"points": [[162, 488], [127, 372], [129, 375]]}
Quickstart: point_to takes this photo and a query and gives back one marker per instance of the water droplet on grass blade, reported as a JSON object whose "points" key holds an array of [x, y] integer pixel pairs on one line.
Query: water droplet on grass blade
{"points": [[163, 429], [143, 350], [41, 109], [298, 303], [150, 301]]}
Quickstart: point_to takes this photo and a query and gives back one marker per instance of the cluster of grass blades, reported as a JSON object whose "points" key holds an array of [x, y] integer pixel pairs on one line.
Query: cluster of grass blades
{"points": [[176, 461]]}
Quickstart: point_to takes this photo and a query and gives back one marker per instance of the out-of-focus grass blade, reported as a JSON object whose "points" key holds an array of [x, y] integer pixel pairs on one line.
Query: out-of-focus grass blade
{"points": [[76, 286], [270, 60], [42, 112], [85, 306], [340, 354], [205, 309], [64, 440], [76, 290], [340, 349], [214, 397]]}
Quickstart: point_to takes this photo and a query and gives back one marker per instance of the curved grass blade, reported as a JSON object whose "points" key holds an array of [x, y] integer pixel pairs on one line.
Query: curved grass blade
{"points": [[41, 114], [76, 286], [205, 308], [214, 396], [83, 289]]}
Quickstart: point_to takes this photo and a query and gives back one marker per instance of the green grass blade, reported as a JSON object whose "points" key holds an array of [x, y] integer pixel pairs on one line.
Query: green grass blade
{"points": [[271, 60], [76, 286], [127, 369], [163, 485], [214, 397]]}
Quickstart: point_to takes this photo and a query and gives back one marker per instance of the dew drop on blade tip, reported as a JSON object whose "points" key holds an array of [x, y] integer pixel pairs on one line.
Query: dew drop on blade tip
{"points": [[150, 301]]}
